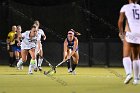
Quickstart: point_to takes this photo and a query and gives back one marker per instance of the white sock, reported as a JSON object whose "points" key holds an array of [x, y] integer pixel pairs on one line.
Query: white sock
{"points": [[19, 63], [35, 66], [30, 68], [136, 68], [127, 63], [40, 60], [139, 68]]}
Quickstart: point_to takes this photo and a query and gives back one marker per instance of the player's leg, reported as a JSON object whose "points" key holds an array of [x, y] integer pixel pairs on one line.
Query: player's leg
{"points": [[17, 56], [136, 62], [17, 53], [11, 56], [36, 56], [75, 61], [69, 61], [23, 59], [139, 64], [127, 63], [32, 61], [40, 59]]}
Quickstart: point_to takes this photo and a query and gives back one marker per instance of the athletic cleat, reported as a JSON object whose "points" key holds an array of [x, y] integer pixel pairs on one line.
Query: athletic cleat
{"points": [[35, 69], [20, 68], [11, 65], [40, 68], [136, 81], [69, 70], [30, 73], [73, 73], [128, 78]]}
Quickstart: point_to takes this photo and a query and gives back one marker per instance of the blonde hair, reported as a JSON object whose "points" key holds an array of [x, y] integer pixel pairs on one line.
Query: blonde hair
{"points": [[37, 23]]}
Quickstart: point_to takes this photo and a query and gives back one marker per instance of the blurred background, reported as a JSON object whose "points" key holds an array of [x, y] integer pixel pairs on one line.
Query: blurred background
{"points": [[96, 20]]}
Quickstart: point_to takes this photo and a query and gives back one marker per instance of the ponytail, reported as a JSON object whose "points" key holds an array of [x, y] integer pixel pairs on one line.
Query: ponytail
{"points": [[76, 33]]}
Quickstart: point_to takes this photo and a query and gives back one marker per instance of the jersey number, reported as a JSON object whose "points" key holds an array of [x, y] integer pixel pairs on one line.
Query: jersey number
{"points": [[136, 15]]}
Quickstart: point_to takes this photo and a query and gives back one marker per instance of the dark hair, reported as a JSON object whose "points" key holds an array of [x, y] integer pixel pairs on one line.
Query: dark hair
{"points": [[134, 1]]}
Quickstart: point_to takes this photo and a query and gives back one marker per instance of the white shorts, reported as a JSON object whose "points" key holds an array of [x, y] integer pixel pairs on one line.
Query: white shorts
{"points": [[132, 37], [27, 46]]}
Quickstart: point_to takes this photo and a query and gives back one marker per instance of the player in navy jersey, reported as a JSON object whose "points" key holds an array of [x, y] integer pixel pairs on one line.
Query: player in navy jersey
{"points": [[17, 47], [71, 50]]}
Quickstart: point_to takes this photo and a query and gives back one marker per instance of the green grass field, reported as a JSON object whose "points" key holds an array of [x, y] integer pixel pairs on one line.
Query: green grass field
{"points": [[87, 80]]}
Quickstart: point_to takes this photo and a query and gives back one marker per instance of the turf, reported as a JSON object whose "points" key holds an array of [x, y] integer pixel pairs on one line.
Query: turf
{"points": [[87, 80]]}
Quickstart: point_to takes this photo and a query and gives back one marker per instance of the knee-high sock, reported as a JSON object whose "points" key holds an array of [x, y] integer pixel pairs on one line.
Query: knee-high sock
{"points": [[35, 65], [14, 60], [136, 68], [139, 68], [30, 68], [127, 63], [19, 63], [17, 58], [73, 66], [40, 60], [68, 64], [10, 60], [32, 65]]}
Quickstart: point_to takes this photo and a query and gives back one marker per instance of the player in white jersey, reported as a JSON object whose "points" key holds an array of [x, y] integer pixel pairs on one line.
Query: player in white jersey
{"points": [[28, 44], [127, 62], [40, 34], [131, 12]]}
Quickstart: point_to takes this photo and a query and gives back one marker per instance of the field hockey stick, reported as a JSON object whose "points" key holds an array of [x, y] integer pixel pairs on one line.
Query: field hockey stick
{"points": [[47, 72], [53, 70], [60, 64], [46, 61]]}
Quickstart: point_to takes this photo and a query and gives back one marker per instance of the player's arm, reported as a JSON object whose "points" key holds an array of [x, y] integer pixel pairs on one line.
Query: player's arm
{"points": [[74, 48], [8, 41], [38, 43], [20, 37], [120, 25], [65, 50], [19, 34], [44, 36]]}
